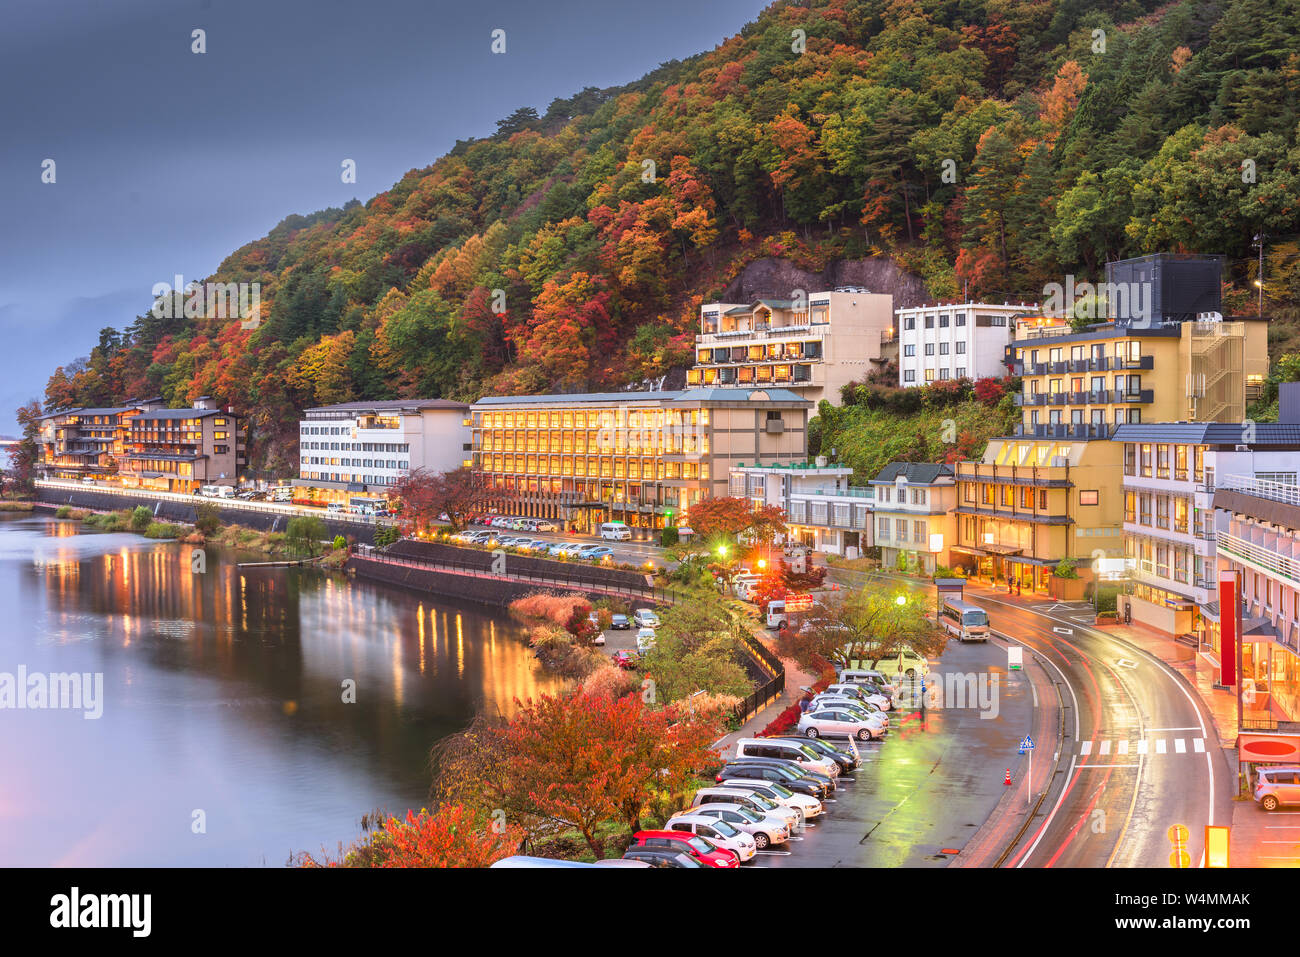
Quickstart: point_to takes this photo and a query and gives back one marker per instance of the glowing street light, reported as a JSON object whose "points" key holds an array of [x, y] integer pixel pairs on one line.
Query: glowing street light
{"points": [[900, 601], [762, 563]]}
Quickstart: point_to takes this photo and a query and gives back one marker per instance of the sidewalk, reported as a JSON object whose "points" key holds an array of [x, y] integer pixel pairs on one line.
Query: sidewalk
{"points": [[795, 680]]}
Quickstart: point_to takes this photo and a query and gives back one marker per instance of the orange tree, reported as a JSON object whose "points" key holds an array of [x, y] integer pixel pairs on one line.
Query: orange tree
{"points": [[453, 836], [586, 760]]}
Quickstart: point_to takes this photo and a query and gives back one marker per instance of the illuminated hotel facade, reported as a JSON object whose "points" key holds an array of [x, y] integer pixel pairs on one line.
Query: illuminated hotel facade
{"points": [[644, 458]]}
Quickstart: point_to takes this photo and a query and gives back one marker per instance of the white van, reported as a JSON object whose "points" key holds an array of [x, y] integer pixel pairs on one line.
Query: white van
{"points": [[335, 508], [968, 622], [787, 751], [283, 493], [225, 491], [210, 491], [616, 532]]}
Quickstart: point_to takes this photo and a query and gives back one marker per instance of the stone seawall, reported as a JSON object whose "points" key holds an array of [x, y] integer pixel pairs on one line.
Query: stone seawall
{"points": [[170, 510]]}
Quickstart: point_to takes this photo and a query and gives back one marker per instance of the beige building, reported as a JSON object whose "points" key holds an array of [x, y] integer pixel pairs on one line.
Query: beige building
{"points": [[644, 458], [812, 344], [1054, 489]]}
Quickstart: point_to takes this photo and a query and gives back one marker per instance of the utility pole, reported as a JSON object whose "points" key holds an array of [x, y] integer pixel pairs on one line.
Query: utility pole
{"points": [[1259, 276]]}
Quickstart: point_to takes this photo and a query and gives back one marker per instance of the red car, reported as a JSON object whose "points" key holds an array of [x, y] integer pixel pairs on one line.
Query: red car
{"points": [[700, 848], [625, 659]]}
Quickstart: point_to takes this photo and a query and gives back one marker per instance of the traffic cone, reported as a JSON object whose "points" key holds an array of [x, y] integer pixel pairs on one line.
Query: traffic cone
{"points": [[1008, 779]]}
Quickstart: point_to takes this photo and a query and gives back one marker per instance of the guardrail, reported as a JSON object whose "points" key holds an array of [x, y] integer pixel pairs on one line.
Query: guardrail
{"points": [[280, 508], [1261, 488]]}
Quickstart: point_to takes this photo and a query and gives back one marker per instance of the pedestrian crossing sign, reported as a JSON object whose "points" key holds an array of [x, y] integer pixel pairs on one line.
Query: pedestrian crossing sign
{"points": [[1027, 744]]}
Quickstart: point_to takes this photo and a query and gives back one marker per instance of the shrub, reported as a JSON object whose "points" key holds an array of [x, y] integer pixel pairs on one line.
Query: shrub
{"points": [[386, 535], [164, 530], [783, 722], [340, 543], [63, 511], [207, 518], [141, 518], [669, 537], [1065, 569]]}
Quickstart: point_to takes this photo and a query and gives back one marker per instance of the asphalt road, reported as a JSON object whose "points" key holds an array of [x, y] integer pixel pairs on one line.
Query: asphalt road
{"points": [[1140, 752], [930, 784]]}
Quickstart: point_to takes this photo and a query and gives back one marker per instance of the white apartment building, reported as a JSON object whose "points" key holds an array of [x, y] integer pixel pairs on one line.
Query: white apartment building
{"points": [[811, 343], [915, 523], [955, 340], [364, 447], [822, 511]]}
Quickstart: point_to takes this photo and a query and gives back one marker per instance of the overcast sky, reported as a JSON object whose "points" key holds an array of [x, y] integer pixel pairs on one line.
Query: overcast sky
{"points": [[166, 160]]}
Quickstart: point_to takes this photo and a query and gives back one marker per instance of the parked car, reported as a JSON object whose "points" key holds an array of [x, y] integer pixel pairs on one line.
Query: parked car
{"points": [[766, 829], [747, 799], [779, 772], [885, 702], [600, 551], [645, 618], [847, 758], [729, 838], [798, 752], [660, 857], [645, 640], [807, 805], [701, 848], [561, 548], [906, 662], [1275, 787], [625, 659], [542, 525], [620, 623], [813, 724], [856, 705]]}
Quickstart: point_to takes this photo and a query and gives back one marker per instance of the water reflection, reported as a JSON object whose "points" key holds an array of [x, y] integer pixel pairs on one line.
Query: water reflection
{"points": [[225, 693]]}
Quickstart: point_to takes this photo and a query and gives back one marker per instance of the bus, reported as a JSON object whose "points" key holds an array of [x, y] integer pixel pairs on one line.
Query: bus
{"points": [[364, 505], [968, 622]]}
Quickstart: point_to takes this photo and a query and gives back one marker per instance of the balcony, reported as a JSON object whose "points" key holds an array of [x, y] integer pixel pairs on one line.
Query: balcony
{"points": [[1077, 366], [1063, 431], [1121, 396], [1266, 559], [1272, 491], [761, 334]]}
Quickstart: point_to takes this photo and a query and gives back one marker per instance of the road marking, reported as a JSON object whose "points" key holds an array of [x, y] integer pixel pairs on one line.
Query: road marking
{"points": [[1144, 746], [1122, 746], [1154, 730], [1062, 631], [1125, 663], [1089, 767], [1180, 745], [1085, 749], [1105, 748], [1161, 747]]}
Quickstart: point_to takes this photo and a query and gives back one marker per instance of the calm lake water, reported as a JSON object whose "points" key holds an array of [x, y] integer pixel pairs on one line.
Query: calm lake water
{"points": [[222, 693]]}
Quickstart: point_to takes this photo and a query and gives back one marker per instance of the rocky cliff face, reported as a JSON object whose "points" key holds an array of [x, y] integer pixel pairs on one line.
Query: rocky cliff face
{"points": [[777, 279]]}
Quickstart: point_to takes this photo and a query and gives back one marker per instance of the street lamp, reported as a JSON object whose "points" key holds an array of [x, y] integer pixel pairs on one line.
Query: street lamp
{"points": [[900, 601]]}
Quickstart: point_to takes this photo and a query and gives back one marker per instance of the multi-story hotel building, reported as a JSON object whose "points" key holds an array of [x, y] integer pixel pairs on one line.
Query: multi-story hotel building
{"points": [[640, 457], [364, 448], [811, 345], [1053, 490], [179, 450], [1258, 537], [144, 445], [1172, 476], [914, 520], [83, 443], [966, 340]]}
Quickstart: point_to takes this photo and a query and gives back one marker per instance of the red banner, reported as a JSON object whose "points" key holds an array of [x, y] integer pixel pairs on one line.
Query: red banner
{"points": [[1228, 636]]}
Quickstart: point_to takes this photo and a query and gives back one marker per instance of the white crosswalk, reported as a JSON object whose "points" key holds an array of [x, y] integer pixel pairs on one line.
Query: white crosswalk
{"points": [[1124, 747]]}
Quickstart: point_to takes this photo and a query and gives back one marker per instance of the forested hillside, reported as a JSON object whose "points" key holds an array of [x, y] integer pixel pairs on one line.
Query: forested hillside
{"points": [[992, 143]]}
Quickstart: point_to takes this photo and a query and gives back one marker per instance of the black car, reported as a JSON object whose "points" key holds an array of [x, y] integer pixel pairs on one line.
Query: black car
{"points": [[756, 769], [847, 762], [802, 770], [620, 622], [660, 857]]}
